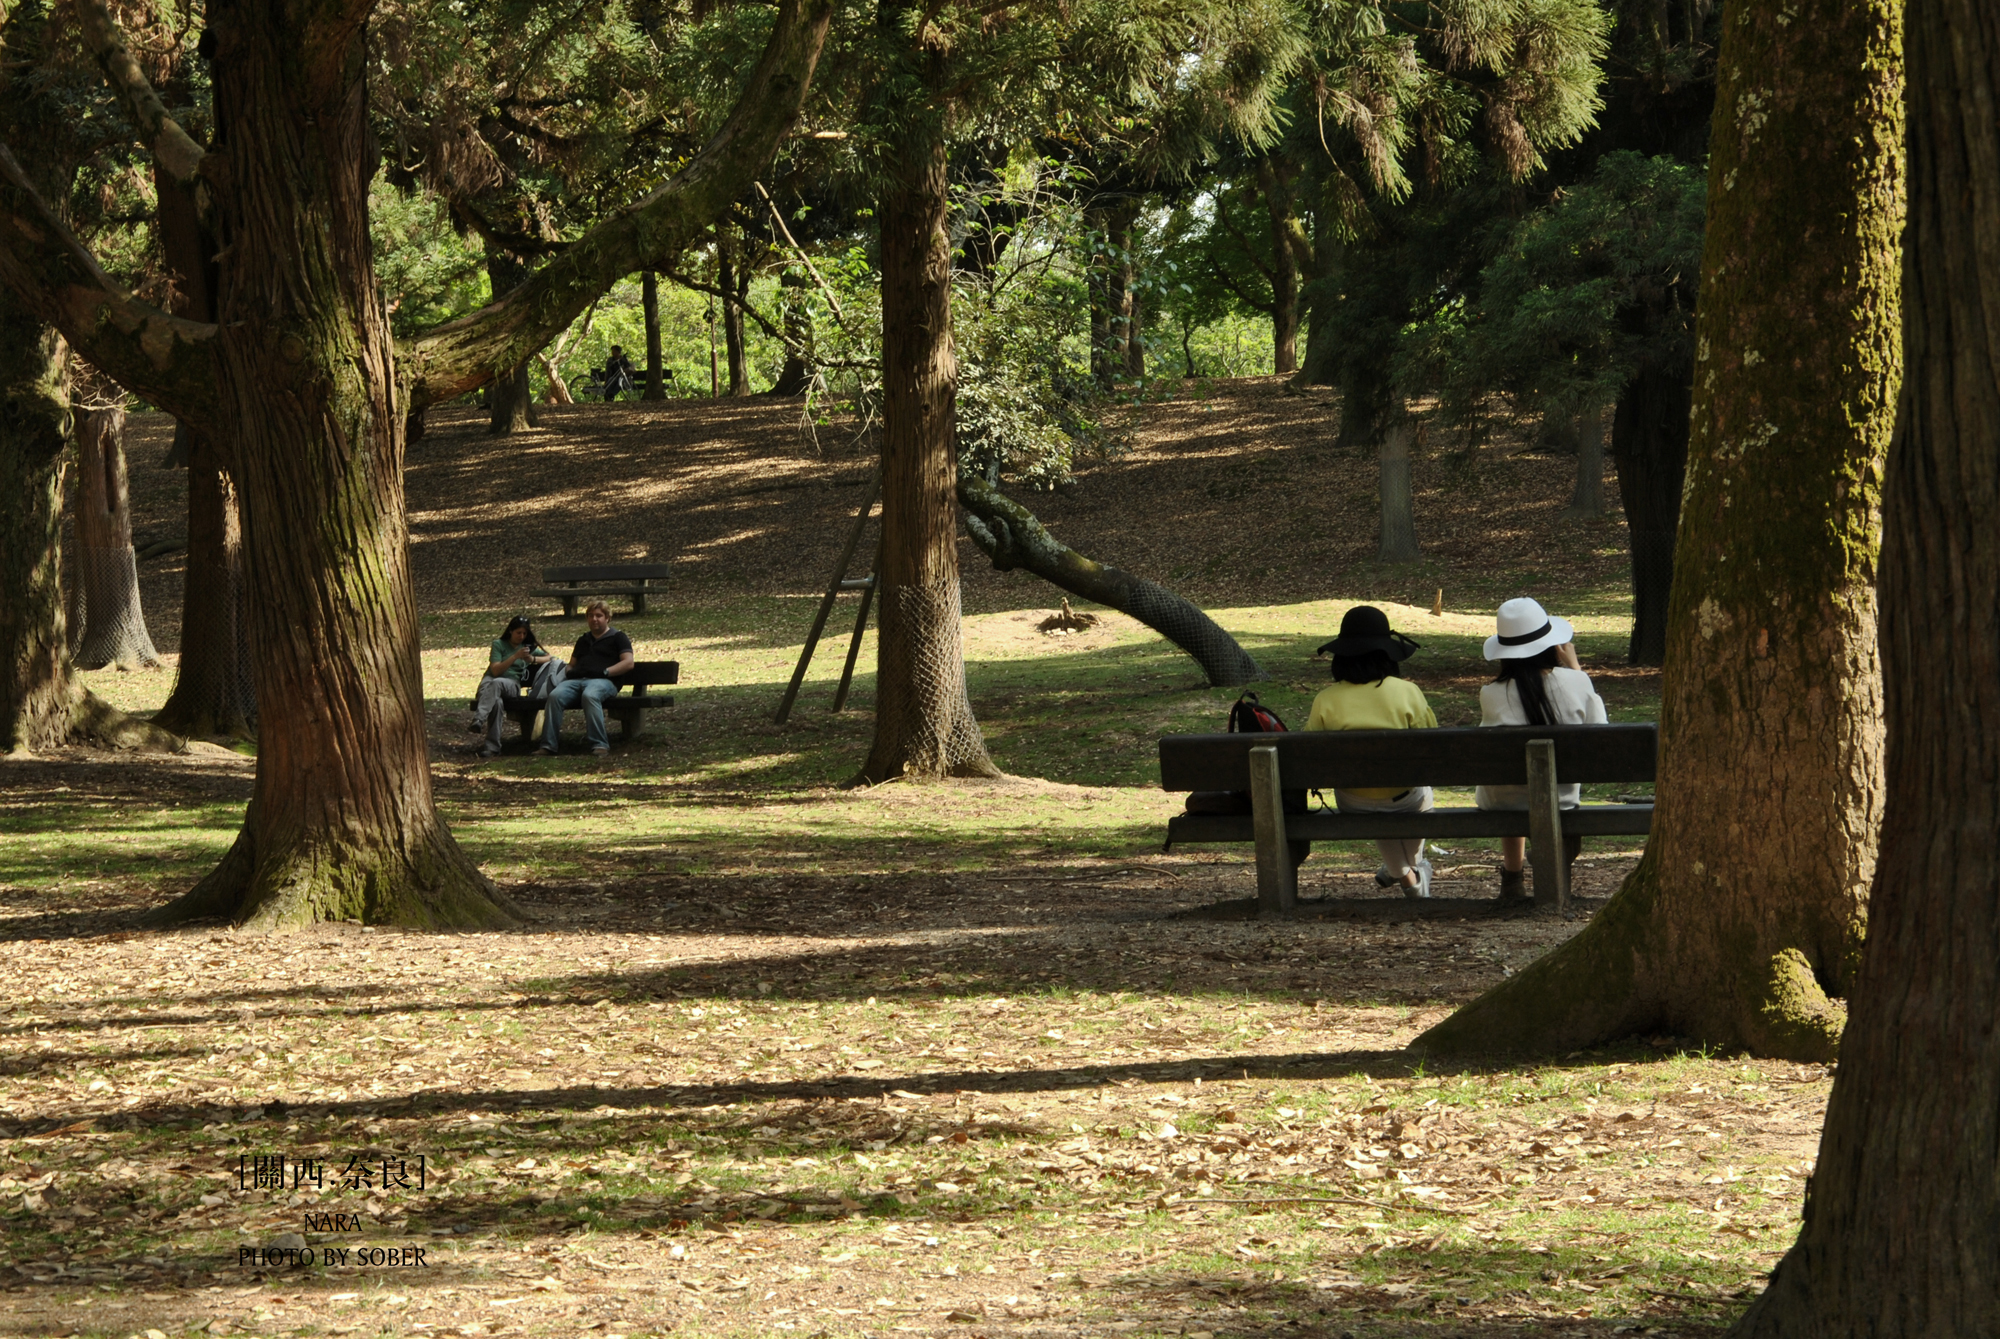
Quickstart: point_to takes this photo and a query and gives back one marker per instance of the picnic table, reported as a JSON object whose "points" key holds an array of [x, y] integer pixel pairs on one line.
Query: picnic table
{"points": [[603, 581]]}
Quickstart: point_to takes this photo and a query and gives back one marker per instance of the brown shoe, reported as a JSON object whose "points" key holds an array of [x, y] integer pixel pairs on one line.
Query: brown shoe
{"points": [[1513, 885]]}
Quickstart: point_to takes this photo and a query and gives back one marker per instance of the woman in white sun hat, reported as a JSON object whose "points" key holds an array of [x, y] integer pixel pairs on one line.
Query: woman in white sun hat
{"points": [[1539, 683]]}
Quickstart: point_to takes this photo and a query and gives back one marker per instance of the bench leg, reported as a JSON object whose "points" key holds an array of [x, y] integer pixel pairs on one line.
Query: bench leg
{"points": [[638, 605], [569, 606], [1277, 875], [631, 723], [1545, 843]]}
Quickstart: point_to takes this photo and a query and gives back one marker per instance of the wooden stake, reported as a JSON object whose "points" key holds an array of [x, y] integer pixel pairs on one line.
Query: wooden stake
{"points": [[1437, 605]]}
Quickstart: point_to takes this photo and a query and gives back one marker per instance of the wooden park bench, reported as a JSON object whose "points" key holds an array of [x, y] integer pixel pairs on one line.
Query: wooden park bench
{"points": [[571, 584], [1541, 757], [629, 708]]}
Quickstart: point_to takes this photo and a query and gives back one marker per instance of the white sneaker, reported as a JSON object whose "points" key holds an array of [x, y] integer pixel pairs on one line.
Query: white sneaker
{"points": [[1423, 888], [1383, 878]]}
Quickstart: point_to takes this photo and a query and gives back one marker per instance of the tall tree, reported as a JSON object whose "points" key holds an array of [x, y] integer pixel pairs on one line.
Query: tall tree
{"points": [[110, 625], [937, 68], [1903, 1211], [1747, 911], [302, 382]]}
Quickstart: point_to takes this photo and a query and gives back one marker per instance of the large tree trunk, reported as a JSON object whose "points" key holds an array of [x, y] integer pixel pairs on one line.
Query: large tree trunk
{"points": [[1649, 443], [215, 689], [510, 399], [1902, 1216], [1398, 534], [1586, 499], [796, 378], [214, 686], [110, 627], [36, 692], [734, 282], [649, 307], [1366, 399], [342, 824], [923, 719], [1110, 288], [1747, 912], [1009, 534], [1284, 269]]}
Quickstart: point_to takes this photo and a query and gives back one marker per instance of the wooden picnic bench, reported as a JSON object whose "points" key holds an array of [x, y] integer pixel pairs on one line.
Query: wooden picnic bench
{"points": [[629, 708], [1541, 757], [571, 584]]}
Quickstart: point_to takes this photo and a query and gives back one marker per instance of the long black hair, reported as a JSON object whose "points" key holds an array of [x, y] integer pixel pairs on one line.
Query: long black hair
{"points": [[1368, 667], [1525, 672], [519, 621]]}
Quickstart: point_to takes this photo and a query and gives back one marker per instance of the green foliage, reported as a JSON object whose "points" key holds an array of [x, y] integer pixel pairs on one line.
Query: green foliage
{"points": [[1579, 296], [429, 273]]}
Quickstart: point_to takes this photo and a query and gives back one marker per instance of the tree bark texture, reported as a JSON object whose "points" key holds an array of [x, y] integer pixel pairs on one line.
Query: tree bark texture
{"points": [[107, 622], [1902, 1215], [1747, 912], [1649, 443], [1009, 534], [924, 725], [1586, 500], [35, 685], [341, 824], [1398, 535], [649, 308]]}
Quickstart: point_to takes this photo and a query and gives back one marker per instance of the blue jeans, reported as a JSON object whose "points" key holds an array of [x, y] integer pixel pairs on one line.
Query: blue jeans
{"points": [[593, 693]]}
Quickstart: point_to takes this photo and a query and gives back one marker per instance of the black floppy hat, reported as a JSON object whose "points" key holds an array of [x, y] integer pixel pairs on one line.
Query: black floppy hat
{"points": [[1365, 628]]}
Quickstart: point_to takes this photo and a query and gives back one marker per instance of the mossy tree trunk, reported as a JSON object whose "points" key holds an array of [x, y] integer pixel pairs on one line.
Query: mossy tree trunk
{"points": [[733, 278], [299, 381], [510, 400], [341, 824], [924, 725], [35, 685], [1009, 534], [1111, 220], [1274, 183], [1747, 912], [1902, 1216]]}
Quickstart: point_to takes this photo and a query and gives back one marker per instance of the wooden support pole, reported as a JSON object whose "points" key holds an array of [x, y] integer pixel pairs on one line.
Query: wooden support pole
{"points": [[854, 646], [832, 594], [1545, 843], [1277, 875]]}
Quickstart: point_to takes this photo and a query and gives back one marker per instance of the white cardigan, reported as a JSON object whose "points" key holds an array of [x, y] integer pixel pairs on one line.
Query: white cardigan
{"points": [[1574, 702]]}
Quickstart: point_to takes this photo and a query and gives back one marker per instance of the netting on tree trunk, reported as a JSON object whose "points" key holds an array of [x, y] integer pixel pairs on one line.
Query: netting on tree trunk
{"points": [[215, 687], [924, 721], [108, 626]]}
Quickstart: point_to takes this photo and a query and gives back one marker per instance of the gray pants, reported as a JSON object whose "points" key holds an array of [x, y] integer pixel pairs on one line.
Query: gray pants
{"points": [[493, 690], [1400, 854]]}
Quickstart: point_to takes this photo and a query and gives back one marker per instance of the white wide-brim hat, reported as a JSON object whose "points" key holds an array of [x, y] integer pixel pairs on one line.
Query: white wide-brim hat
{"points": [[1524, 630]]}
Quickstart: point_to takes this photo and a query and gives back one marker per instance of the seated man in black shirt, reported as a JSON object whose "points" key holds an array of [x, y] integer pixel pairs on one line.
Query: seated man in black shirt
{"points": [[600, 658]]}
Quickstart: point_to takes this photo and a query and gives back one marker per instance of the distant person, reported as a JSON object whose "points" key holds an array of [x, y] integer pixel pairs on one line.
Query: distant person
{"points": [[1540, 682], [617, 374], [601, 657], [514, 653], [1369, 693]]}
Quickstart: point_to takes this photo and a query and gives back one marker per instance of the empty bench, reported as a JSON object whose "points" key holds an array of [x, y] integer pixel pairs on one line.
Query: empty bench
{"points": [[628, 708], [571, 584], [1541, 757]]}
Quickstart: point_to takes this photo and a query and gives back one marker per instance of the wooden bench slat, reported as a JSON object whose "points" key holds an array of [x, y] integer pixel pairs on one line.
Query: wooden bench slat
{"points": [[1591, 820], [1449, 757], [609, 572]]}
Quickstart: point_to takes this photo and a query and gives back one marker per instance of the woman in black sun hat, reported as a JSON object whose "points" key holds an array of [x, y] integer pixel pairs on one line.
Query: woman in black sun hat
{"points": [[1369, 693]]}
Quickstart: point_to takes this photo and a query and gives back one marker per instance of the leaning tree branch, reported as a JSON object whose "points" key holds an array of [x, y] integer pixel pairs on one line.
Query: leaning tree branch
{"points": [[161, 357], [171, 146], [466, 353], [1009, 534]]}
